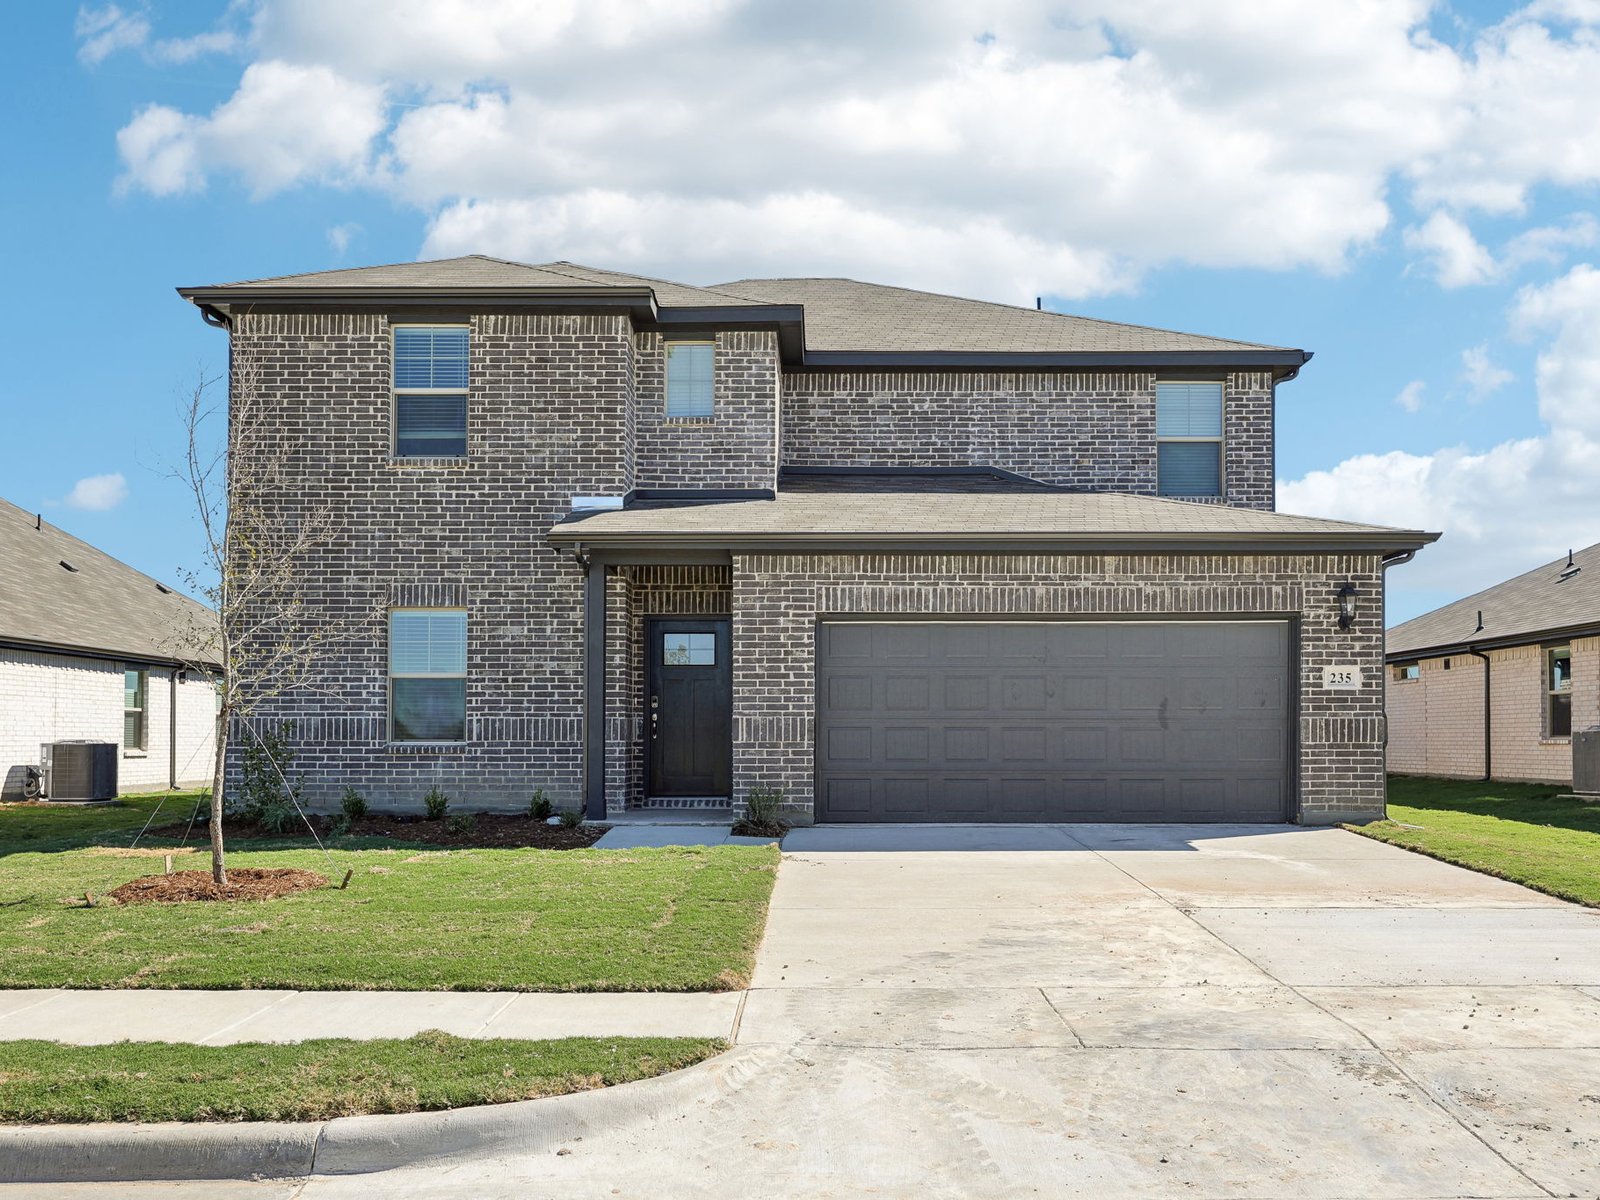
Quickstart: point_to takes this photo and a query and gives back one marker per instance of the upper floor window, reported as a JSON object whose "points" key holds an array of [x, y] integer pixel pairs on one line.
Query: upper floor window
{"points": [[428, 675], [1405, 671], [1558, 691], [430, 391], [690, 370], [135, 688], [1189, 439]]}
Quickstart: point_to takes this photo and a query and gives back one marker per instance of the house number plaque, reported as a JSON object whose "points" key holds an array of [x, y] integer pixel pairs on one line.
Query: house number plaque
{"points": [[1341, 679]]}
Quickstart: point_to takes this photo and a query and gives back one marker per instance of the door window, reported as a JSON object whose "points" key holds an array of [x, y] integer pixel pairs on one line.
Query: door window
{"points": [[689, 649]]}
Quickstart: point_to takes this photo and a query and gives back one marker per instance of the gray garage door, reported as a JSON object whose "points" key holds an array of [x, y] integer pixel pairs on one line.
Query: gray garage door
{"points": [[1053, 721]]}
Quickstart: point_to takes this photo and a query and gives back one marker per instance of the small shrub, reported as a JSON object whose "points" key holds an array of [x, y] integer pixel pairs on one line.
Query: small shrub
{"points": [[462, 823], [435, 804], [539, 806], [763, 809], [571, 818], [265, 794], [354, 804], [276, 814], [339, 826]]}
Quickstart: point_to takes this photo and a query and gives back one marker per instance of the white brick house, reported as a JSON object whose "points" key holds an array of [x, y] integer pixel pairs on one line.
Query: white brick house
{"points": [[90, 650], [1493, 685]]}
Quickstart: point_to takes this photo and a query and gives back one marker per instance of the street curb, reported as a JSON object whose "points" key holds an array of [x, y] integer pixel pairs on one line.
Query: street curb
{"points": [[107, 1153]]}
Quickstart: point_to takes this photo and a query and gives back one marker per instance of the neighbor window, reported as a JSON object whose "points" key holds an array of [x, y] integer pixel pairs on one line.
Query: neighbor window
{"points": [[690, 369], [1189, 439], [428, 675], [1558, 691], [1408, 671], [430, 391], [135, 686]]}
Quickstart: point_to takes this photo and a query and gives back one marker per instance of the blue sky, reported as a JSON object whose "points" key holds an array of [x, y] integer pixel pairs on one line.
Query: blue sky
{"points": [[1409, 190]]}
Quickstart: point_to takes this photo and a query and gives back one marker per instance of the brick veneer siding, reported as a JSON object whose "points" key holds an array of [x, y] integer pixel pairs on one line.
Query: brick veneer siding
{"points": [[737, 446], [60, 697], [777, 598], [547, 420], [1436, 720], [1079, 430]]}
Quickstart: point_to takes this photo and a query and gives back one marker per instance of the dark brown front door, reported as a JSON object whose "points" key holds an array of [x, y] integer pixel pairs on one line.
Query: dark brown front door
{"points": [[688, 707]]}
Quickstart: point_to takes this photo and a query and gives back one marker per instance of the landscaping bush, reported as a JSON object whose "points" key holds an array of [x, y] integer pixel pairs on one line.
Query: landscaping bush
{"points": [[571, 818], [763, 807], [353, 803], [264, 765], [436, 803], [462, 823], [539, 806]]}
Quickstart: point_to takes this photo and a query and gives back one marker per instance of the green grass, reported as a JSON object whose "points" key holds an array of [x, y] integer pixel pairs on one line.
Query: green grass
{"points": [[413, 918], [1520, 832], [44, 1082]]}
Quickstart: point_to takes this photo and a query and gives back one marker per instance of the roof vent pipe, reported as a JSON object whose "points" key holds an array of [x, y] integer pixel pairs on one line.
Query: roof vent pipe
{"points": [[1479, 629], [1038, 302]]}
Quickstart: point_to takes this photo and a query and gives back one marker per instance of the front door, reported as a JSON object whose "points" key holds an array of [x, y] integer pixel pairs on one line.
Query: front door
{"points": [[688, 707]]}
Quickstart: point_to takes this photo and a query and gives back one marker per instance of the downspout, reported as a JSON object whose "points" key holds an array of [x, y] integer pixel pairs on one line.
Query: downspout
{"points": [[1488, 710], [1399, 558], [172, 729]]}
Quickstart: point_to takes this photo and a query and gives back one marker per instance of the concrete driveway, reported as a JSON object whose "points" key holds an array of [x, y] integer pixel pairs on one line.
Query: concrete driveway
{"points": [[1111, 1011]]}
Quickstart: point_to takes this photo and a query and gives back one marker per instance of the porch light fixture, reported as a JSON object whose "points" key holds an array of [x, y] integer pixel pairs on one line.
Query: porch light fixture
{"points": [[1347, 606]]}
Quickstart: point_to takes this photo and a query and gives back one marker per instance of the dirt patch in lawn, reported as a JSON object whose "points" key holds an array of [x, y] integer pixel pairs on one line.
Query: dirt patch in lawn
{"points": [[504, 831], [244, 883]]}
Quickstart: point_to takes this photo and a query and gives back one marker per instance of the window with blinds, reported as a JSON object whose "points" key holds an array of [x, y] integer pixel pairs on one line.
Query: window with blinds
{"points": [[135, 689], [690, 375], [428, 675], [1189, 439], [430, 391]]}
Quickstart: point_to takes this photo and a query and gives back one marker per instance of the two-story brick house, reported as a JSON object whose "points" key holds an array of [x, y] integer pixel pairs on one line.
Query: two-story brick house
{"points": [[902, 556]]}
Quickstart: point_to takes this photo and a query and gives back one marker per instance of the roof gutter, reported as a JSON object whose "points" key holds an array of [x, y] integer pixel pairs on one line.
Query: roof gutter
{"points": [[1526, 638]]}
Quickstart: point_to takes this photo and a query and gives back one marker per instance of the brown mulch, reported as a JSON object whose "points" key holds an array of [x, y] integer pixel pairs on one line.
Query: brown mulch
{"points": [[244, 883], [498, 831]]}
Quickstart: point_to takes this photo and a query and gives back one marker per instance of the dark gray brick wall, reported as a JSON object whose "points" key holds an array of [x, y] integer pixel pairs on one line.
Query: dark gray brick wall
{"points": [[777, 599], [1079, 430], [547, 420], [737, 446]]}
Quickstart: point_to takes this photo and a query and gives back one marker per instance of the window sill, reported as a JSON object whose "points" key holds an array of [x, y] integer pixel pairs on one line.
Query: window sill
{"points": [[1556, 741], [711, 420], [426, 464], [136, 754], [426, 747]]}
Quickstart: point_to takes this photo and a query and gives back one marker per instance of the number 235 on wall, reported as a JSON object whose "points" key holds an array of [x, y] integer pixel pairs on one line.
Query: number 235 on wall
{"points": [[1341, 679]]}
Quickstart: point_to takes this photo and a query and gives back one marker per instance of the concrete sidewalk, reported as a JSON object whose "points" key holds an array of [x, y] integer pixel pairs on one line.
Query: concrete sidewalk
{"points": [[220, 1018]]}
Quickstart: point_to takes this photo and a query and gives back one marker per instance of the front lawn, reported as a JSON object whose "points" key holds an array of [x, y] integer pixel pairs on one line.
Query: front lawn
{"points": [[413, 917], [311, 1081], [1520, 832]]}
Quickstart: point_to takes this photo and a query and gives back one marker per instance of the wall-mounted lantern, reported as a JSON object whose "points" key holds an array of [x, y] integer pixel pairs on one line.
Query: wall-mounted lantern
{"points": [[1347, 606]]}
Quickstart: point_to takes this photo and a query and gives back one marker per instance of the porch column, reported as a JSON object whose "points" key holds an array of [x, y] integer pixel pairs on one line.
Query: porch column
{"points": [[594, 691]]}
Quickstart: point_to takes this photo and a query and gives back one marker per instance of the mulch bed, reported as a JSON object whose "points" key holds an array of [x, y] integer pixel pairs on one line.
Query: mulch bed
{"points": [[503, 831], [244, 883]]}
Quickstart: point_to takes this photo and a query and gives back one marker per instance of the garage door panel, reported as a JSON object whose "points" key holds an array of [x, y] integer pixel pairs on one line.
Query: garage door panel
{"points": [[1053, 721]]}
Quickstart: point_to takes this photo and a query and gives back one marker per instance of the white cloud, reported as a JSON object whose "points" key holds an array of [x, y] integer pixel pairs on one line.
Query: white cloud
{"points": [[286, 124], [97, 493], [1410, 396], [1482, 376], [339, 236], [102, 32], [1506, 508], [1455, 256]]}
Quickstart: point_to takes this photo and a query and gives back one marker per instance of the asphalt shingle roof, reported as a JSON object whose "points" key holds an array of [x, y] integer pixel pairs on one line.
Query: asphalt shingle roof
{"points": [[845, 315], [100, 605], [841, 315], [913, 515], [1536, 603]]}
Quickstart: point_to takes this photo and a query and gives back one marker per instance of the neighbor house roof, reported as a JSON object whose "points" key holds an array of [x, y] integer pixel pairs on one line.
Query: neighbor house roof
{"points": [[57, 592], [1548, 601], [983, 520], [821, 322]]}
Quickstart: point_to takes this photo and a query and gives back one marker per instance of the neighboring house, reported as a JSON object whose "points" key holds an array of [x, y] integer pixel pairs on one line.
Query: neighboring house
{"points": [[88, 651], [902, 556], [1515, 669]]}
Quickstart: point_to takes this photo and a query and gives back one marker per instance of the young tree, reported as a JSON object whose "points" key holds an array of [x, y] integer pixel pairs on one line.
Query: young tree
{"points": [[261, 530]]}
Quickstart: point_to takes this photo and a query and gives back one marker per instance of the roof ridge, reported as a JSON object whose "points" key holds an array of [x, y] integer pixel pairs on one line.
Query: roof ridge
{"points": [[894, 287], [714, 289], [414, 262]]}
